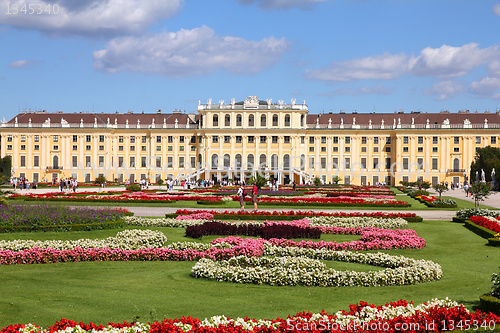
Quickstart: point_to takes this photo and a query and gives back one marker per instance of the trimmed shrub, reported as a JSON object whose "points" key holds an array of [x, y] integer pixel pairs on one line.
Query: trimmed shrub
{"points": [[263, 231], [133, 187], [489, 303]]}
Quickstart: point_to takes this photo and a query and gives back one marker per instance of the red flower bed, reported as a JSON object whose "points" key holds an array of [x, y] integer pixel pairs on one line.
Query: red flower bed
{"points": [[436, 318], [295, 213], [338, 201], [491, 223]]}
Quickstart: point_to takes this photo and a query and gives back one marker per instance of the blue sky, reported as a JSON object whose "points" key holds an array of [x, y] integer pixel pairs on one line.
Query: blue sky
{"points": [[145, 55]]}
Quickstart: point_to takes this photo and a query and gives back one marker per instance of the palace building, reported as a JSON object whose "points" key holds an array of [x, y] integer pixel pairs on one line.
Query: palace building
{"points": [[234, 140]]}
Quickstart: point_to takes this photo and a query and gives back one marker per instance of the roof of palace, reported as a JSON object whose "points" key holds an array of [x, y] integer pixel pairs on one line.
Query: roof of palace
{"points": [[324, 120]]}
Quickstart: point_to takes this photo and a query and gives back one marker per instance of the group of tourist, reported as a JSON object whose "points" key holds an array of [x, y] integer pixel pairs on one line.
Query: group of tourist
{"points": [[23, 183], [68, 184]]}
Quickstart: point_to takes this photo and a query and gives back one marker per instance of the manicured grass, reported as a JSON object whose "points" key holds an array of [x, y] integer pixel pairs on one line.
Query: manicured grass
{"points": [[145, 291]]}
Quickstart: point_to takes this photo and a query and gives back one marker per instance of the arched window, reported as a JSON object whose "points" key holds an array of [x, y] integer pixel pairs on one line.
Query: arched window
{"points": [[251, 120], [239, 120], [263, 120], [274, 162], [262, 162], [237, 162], [286, 162], [215, 120], [200, 159], [227, 120], [227, 161], [287, 120], [55, 162], [302, 121], [215, 161], [275, 120], [456, 164], [250, 162], [302, 162]]}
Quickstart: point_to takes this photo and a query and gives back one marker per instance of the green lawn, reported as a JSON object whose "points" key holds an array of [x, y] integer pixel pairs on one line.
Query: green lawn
{"points": [[145, 291]]}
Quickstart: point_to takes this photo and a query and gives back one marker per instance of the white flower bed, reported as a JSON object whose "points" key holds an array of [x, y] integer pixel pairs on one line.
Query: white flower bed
{"points": [[297, 266], [358, 222], [161, 222], [126, 240]]}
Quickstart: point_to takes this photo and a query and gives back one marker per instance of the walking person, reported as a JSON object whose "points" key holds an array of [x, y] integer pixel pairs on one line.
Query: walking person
{"points": [[242, 194], [255, 193]]}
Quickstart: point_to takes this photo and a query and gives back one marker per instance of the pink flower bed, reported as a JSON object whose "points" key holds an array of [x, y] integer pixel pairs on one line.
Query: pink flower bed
{"points": [[371, 239], [196, 216]]}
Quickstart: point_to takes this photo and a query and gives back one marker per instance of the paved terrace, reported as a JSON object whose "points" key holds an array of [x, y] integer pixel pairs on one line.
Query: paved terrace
{"points": [[493, 200]]}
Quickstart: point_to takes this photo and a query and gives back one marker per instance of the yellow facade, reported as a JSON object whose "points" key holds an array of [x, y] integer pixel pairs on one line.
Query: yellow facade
{"points": [[235, 140]]}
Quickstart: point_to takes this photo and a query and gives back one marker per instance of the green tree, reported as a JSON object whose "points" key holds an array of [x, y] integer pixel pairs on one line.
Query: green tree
{"points": [[258, 180], [317, 181], [5, 169], [486, 159], [440, 189], [100, 180], [479, 192], [160, 182]]}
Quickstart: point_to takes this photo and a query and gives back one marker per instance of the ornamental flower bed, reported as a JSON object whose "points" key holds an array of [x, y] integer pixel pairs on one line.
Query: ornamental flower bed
{"points": [[489, 222], [297, 214], [338, 201], [46, 217], [432, 201], [401, 316], [266, 231], [291, 267]]}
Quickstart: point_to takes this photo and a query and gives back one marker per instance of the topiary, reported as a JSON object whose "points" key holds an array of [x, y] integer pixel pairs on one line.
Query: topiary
{"points": [[4, 202]]}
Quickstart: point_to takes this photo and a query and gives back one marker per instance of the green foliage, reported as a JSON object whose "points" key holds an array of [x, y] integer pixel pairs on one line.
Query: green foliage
{"points": [[440, 189], [3, 202], [100, 180], [317, 181], [486, 159], [336, 179], [160, 182], [419, 192], [479, 192], [495, 291], [133, 187], [5, 169], [258, 180]]}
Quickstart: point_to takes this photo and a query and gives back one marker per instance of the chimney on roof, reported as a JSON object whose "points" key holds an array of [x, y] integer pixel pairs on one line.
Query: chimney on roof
{"points": [[158, 112]]}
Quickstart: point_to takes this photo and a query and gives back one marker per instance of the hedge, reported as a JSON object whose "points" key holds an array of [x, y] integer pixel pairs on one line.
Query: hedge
{"points": [[66, 227], [263, 231], [479, 230], [489, 303]]}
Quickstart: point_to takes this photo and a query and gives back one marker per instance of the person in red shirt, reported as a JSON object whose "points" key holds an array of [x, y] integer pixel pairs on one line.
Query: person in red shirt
{"points": [[255, 192]]}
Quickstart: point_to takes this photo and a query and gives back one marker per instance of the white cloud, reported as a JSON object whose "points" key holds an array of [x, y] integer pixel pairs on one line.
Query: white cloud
{"points": [[448, 61], [19, 63], [385, 66], [488, 86], [89, 18], [380, 89], [444, 62], [496, 9], [281, 4], [445, 90], [189, 52]]}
